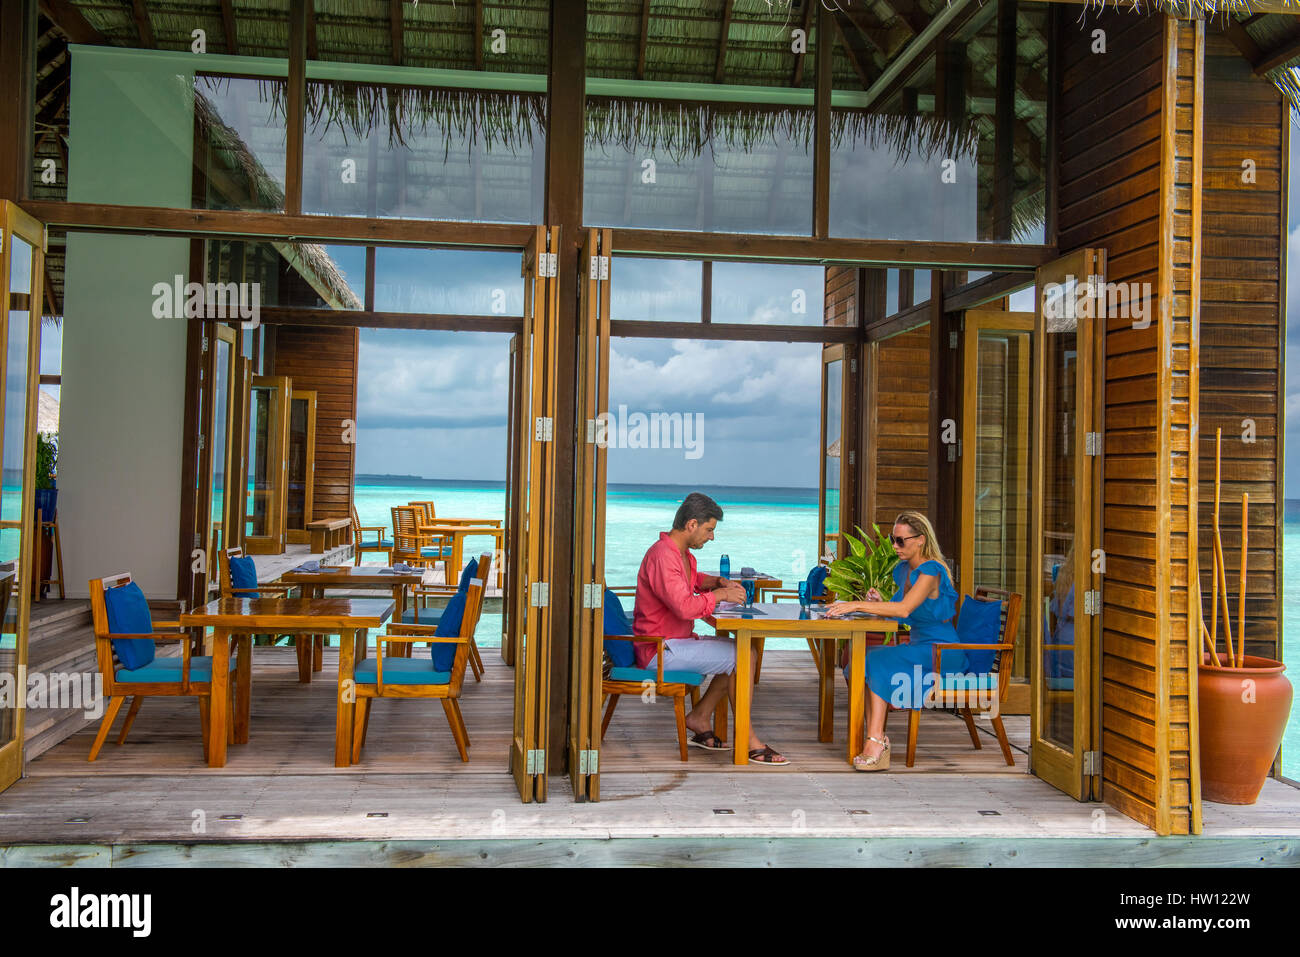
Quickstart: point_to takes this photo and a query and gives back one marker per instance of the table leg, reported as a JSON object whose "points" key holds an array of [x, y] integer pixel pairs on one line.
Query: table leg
{"points": [[826, 689], [244, 686], [399, 599], [744, 690], [457, 547], [857, 691], [219, 704], [318, 643], [347, 696]]}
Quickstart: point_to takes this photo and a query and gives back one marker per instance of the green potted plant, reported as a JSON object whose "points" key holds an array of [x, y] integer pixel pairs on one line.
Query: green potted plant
{"points": [[47, 457], [869, 564]]}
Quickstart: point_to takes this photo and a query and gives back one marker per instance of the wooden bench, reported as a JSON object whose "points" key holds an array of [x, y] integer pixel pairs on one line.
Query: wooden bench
{"points": [[328, 533]]}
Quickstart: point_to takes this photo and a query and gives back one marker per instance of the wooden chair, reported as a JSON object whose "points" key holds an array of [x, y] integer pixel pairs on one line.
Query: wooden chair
{"points": [[966, 695], [189, 675], [377, 543], [776, 595], [431, 616], [631, 680], [430, 513], [311, 651], [414, 547], [415, 677]]}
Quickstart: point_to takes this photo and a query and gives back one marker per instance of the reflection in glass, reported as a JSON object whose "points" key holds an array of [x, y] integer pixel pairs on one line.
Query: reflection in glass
{"points": [[458, 282], [221, 398], [831, 456], [710, 167], [768, 293], [920, 286], [424, 153], [261, 477], [1060, 422], [657, 290], [301, 425], [239, 146], [308, 275]]}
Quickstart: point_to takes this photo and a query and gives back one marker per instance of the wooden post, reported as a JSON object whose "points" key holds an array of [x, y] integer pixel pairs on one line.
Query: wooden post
{"points": [[296, 106], [822, 127], [17, 55], [1004, 136]]}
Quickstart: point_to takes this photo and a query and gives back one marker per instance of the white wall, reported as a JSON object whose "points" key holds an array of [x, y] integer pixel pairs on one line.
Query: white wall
{"points": [[123, 388]]}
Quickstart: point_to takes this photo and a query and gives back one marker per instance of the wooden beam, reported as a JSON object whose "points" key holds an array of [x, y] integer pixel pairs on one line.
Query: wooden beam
{"points": [[254, 225], [311, 32], [17, 105], [645, 36], [228, 24], [732, 331], [853, 50], [910, 12], [720, 70], [1235, 31], [370, 319], [1277, 56], [478, 34], [142, 25], [986, 289], [901, 321], [821, 224], [1004, 136], [395, 29], [295, 105], [65, 15]]}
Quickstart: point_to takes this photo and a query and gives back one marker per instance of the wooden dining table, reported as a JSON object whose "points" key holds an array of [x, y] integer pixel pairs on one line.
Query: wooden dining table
{"points": [[772, 619], [458, 533], [313, 585], [349, 618]]}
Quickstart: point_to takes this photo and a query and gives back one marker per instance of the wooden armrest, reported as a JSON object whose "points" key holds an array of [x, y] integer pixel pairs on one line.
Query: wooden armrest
{"points": [[403, 628], [155, 636], [406, 639], [170, 624], [941, 647]]}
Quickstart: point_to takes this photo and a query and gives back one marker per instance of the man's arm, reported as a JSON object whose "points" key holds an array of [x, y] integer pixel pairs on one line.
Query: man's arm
{"points": [[707, 582], [673, 590]]}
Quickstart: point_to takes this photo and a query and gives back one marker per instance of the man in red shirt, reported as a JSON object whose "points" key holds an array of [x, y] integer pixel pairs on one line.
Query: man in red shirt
{"points": [[670, 595]]}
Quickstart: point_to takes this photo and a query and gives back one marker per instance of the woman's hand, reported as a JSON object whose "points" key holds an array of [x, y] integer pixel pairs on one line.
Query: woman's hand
{"points": [[837, 609], [874, 595]]}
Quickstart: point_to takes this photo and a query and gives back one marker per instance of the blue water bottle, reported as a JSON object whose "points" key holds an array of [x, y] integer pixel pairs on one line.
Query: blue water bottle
{"points": [[724, 566]]}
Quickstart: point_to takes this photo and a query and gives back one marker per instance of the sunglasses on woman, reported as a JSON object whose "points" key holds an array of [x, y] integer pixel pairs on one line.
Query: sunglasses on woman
{"points": [[899, 540]]}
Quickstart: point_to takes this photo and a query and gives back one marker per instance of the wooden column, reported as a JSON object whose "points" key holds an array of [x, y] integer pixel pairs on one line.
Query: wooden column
{"points": [[17, 79], [564, 157], [1004, 137], [296, 106], [822, 126]]}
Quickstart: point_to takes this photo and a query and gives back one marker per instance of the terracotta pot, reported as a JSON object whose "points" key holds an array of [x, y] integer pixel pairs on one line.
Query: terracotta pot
{"points": [[1240, 736]]}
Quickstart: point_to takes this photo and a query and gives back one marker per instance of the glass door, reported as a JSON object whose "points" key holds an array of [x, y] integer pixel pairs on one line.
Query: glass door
{"points": [[1063, 595], [22, 270], [995, 468], [589, 517], [835, 452], [216, 402], [535, 486], [514, 507], [268, 461], [302, 466]]}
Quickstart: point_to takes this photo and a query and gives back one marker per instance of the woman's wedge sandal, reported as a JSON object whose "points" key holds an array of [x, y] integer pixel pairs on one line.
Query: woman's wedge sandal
{"points": [[878, 763]]}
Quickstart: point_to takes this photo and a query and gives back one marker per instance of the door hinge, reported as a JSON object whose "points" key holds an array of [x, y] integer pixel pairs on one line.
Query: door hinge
{"points": [[592, 595], [205, 344], [1092, 443], [853, 365], [548, 265], [202, 443], [1092, 603], [535, 762], [953, 339], [1091, 763], [599, 267], [952, 452], [853, 456], [198, 539], [544, 429], [591, 431], [588, 762], [540, 595]]}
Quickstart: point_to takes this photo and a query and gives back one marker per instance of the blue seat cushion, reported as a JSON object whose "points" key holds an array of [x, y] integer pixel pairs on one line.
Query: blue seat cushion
{"points": [[1060, 684], [428, 616], [817, 581], [986, 681], [162, 670], [433, 551], [243, 574], [980, 623], [621, 653], [403, 671], [641, 674], [444, 653], [128, 614], [466, 576], [382, 543]]}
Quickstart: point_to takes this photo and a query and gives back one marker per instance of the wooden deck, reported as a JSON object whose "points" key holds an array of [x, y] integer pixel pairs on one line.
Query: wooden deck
{"points": [[957, 805]]}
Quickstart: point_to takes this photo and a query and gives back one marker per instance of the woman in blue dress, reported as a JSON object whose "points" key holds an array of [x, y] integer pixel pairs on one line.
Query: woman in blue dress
{"points": [[924, 600]]}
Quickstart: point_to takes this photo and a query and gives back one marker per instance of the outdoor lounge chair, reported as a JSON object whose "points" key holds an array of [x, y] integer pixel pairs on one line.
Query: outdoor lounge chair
{"points": [[239, 580], [125, 637], [975, 690], [478, 568], [412, 546], [376, 542], [419, 676]]}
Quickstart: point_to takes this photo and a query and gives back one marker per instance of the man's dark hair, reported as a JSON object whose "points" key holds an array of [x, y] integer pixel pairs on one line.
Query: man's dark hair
{"points": [[696, 506]]}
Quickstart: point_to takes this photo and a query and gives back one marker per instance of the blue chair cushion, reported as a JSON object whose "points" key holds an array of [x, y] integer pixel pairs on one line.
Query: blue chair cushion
{"points": [[128, 614], [433, 551], [980, 623], [444, 653], [987, 681], [1060, 684], [403, 671], [381, 543], [428, 616], [817, 581], [470, 572], [243, 574], [163, 670], [641, 674], [621, 653]]}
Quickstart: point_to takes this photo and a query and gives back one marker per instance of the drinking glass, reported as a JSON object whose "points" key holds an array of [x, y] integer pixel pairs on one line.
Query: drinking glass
{"points": [[724, 566], [749, 591], [803, 594]]}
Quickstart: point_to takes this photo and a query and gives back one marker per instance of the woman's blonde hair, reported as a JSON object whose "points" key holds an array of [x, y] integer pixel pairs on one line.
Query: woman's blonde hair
{"points": [[920, 525]]}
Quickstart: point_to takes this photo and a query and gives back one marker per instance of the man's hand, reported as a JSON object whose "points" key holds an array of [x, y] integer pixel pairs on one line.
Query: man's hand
{"points": [[729, 591]]}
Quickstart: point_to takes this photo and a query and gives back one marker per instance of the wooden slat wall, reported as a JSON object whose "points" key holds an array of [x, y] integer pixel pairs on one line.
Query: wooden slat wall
{"points": [[1117, 162], [324, 359], [1241, 295], [841, 301], [898, 440]]}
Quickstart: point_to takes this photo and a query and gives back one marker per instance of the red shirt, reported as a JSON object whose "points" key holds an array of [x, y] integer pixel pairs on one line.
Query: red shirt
{"points": [[668, 598]]}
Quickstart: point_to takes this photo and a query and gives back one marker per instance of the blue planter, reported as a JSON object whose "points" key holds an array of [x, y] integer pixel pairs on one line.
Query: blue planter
{"points": [[47, 501]]}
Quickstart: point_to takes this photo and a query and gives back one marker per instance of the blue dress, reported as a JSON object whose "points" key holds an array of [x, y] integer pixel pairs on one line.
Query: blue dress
{"points": [[902, 674]]}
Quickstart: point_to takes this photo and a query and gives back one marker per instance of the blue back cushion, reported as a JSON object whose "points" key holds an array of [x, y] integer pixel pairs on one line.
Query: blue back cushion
{"points": [[621, 653], [980, 622], [471, 571], [817, 581], [444, 653], [128, 614], [243, 574]]}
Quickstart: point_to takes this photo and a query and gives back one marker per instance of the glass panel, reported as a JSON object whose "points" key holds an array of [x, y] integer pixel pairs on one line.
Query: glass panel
{"points": [[261, 478], [296, 510], [239, 142], [221, 398], [310, 275], [462, 282], [1060, 417], [1022, 300], [1001, 513], [831, 456], [657, 290], [768, 294], [710, 167], [921, 286], [424, 153], [891, 291]]}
